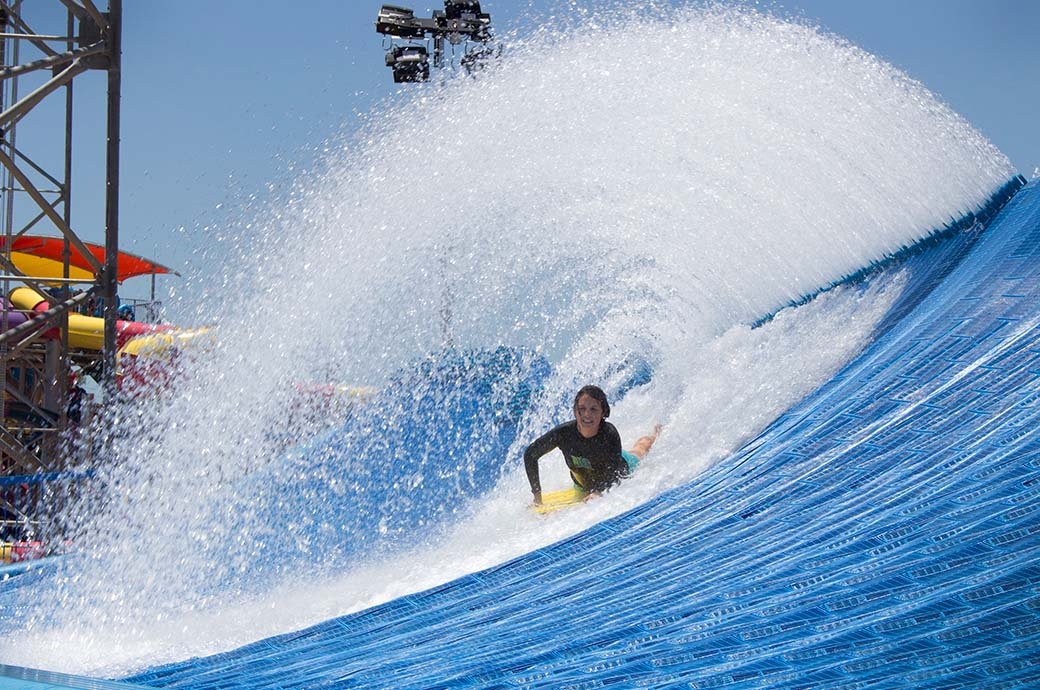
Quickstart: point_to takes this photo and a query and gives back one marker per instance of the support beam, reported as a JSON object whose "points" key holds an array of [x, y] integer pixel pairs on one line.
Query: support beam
{"points": [[58, 221], [106, 26], [109, 277], [44, 318], [19, 155], [12, 445], [16, 20], [19, 109], [44, 414], [52, 61], [76, 9]]}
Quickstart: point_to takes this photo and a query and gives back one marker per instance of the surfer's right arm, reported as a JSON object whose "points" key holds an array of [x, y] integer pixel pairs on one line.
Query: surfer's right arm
{"points": [[534, 452]]}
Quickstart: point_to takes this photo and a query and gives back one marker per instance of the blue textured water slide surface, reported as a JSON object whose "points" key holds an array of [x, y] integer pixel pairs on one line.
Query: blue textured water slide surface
{"points": [[885, 532], [17, 678]]}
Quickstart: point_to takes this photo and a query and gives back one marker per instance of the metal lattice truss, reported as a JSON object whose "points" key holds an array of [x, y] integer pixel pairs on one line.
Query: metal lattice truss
{"points": [[45, 45]]}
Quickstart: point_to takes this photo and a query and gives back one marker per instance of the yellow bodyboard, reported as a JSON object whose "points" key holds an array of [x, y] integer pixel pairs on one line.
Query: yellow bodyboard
{"points": [[557, 500]]}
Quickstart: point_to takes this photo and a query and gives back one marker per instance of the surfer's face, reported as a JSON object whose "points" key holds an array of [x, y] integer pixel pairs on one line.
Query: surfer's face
{"points": [[589, 414]]}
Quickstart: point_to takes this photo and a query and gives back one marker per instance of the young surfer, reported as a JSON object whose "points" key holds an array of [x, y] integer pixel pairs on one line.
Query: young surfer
{"points": [[590, 445]]}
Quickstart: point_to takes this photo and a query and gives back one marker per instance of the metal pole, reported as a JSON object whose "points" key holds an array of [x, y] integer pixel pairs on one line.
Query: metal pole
{"points": [[110, 275], [438, 51], [6, 181], [61, 385]]}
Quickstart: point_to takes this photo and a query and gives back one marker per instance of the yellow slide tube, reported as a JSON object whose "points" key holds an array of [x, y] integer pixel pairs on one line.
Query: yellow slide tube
{"points": [[85, 332]]}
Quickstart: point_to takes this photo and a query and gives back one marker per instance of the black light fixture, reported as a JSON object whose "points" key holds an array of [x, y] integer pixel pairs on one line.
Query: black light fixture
{"points": [[460, 21], [398, 22], [464, 18], [455, 9], [410, 63]]}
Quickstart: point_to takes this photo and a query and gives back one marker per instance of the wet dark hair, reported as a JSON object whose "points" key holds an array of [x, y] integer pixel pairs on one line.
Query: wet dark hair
{"points": [[597, 394]]}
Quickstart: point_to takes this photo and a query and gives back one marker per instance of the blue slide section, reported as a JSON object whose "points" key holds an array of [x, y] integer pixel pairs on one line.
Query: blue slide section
{"points": [[438, 406], [884, 532], [18, 678]]}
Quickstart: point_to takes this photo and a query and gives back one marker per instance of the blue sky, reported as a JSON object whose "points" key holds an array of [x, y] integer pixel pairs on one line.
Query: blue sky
{"points": [[223, 99]]}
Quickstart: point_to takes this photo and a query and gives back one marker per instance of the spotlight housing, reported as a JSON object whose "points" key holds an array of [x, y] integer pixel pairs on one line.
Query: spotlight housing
{"points": [[399, 22], [456, 9], [410, 63], [460, 22]]}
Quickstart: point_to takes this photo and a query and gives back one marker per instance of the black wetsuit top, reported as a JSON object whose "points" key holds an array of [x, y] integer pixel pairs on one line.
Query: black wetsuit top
{"points": [[595, 463]]}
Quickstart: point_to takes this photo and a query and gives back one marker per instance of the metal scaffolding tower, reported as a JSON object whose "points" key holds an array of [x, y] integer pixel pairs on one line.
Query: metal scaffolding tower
{"points": [[45, 45]]}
